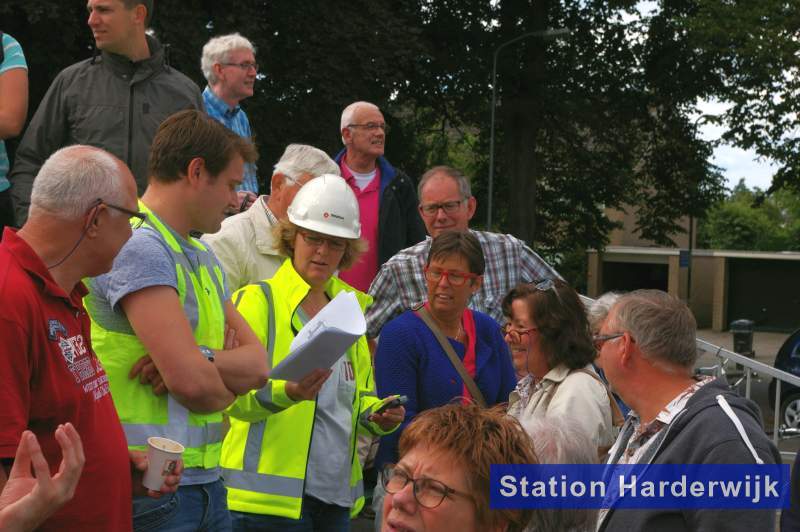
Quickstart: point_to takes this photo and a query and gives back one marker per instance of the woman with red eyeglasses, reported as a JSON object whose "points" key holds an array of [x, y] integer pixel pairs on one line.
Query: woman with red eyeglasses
{"points": [[548, 333], [411, 361]]}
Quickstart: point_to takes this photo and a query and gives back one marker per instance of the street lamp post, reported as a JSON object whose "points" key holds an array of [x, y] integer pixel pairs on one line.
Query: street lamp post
{"points": [[548, 34]]}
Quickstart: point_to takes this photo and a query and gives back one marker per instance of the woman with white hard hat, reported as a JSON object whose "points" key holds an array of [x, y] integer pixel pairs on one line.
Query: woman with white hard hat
{"points": [[289, 460]]}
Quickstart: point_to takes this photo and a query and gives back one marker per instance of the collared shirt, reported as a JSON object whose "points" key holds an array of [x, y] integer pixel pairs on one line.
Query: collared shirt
{"points": [[400, 283], [361, 274], [644, 434], [236, 120], [245, 247]]}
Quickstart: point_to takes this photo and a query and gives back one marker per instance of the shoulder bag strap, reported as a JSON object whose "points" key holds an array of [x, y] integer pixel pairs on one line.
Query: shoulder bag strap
{"points": [[422, 312]]}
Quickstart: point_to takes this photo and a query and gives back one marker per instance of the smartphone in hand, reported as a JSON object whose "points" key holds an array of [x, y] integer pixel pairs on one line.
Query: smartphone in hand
{"points": [[398, 400]]}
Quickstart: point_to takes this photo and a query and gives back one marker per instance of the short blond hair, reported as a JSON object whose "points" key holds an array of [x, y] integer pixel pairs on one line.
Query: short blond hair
{"points": [[285, 234]]}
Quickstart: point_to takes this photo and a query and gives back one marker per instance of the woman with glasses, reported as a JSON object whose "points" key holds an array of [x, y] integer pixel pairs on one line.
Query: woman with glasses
{"points": [[441, 480], [289, 459], [411, 361], [548, 333]]}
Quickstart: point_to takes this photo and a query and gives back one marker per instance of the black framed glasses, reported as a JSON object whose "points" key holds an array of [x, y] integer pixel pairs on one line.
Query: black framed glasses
{"points": [[317, 241], [600, 339], [372, 126], [428, 492], [450, 207], [455, 278], [244, 65]]}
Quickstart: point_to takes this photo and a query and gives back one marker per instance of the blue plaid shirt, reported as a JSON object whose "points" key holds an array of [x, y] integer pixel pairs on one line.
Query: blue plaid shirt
{"points": [[236, 120]]}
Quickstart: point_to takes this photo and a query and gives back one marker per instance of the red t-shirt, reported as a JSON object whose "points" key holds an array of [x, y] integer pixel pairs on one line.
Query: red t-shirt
{"points": [[49, 375], [361, 274]]}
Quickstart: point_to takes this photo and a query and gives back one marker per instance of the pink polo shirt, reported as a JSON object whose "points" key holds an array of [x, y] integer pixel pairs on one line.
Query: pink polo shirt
{"points": [[360, 275]]}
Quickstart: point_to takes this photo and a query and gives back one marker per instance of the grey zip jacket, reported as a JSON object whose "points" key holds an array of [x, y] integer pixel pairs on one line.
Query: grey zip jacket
{"points": [[716, 427], [109, 102]]}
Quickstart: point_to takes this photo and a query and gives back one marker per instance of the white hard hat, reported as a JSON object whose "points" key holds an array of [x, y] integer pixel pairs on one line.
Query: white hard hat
{"points": [[327, 205]]}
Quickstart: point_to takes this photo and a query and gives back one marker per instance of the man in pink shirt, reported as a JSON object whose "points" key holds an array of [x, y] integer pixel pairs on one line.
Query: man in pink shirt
{"points": [[386, 196]]}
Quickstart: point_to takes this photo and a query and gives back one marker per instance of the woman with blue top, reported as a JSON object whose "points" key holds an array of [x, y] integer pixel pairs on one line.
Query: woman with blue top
{"points": [[289, 460], [412, 361], [13, 110]]}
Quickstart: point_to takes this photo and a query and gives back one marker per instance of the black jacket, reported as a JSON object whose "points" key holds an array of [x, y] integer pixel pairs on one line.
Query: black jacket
{"points": [[701, 434], [399, 223]]}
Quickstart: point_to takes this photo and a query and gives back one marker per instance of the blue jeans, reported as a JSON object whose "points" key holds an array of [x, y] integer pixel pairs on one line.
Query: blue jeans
{"points": [[315, 516], [197, 508]]}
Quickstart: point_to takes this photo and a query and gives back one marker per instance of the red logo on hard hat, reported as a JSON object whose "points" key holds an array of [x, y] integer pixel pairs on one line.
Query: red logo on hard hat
{"points": [[325, 215]]}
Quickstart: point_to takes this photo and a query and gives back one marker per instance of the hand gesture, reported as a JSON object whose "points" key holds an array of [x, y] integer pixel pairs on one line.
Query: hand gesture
{"points": [[309, 386], [148, 373], [390, 418], [27, 501]]}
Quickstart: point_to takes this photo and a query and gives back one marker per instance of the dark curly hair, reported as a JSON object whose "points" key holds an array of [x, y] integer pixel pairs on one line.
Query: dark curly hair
{"points": [[561, 320]]}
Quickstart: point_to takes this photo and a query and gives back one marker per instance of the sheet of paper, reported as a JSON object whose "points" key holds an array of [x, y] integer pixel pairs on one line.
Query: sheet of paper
{"points": [[324, 339]]}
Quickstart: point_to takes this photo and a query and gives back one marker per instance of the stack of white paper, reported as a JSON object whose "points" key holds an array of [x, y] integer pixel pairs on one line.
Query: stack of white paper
{"points": [[324, 339]]}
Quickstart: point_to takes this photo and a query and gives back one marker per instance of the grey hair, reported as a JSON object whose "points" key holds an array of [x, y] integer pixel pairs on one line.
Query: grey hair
{"points": [[350, 110], [597, 311], [300, 159], [217, 50], [463, 181], [662, 325], [561, 441], [73, 178]]}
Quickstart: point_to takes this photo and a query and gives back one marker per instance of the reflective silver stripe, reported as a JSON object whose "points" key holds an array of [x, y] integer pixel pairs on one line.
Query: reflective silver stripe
{"points": [[357, 491], [272, 484], [238, 299], [252, 449], [264, 398], [177, 429], [267, 289]]}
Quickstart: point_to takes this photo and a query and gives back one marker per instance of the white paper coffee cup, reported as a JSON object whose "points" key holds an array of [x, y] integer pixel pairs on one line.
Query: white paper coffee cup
{"points": [[162, 457]]}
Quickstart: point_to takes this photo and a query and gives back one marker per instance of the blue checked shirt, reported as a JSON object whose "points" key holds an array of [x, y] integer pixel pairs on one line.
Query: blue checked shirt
{"points": [[400, 283], [236, 120]]}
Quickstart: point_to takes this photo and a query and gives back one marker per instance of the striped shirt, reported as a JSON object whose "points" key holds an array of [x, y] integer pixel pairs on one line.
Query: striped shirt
{"points": [[14, 58], [400, 283], [236, 120]]}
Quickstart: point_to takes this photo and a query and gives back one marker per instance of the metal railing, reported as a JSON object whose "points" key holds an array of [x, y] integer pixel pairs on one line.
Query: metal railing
{"points": [[750, 368]]}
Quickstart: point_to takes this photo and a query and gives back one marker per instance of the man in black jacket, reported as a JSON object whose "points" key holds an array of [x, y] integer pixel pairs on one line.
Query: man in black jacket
{"points": [[115, 100], [647, 350], [386, 197]]}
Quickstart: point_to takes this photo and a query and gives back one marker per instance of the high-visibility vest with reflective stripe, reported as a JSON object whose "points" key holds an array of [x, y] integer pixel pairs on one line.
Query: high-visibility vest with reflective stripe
{"points": [[265, 453], [202, 295]]}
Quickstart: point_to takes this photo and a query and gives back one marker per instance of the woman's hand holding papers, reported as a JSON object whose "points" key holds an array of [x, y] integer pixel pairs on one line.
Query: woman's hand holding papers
{"points": [[309, 386]]}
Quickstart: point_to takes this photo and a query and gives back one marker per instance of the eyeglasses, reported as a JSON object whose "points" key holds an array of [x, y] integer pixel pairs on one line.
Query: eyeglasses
{"points": [[140, 216], [245, 65], [600, 339], [428, 492], [548, 284], [316, 241], [515, 335], [450, 207], [455, 278], [372, 126]]}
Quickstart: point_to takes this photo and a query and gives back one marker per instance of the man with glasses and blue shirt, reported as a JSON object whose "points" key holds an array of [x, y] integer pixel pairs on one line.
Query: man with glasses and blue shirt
{"points": [[387, 201], [229, 65], [447, 204]]}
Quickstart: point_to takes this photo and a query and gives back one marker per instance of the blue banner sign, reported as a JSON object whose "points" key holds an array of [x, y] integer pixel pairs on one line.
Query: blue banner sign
{"points": [[640, 486]]}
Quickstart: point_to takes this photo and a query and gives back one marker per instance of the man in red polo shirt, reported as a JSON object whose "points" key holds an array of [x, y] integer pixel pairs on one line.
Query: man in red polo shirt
{"points": [[78, 221]]}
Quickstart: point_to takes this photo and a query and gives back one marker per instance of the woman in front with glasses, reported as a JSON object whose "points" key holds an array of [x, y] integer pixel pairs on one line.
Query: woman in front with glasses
{"points": [[411, 361], [548, 333], [441, 481]]}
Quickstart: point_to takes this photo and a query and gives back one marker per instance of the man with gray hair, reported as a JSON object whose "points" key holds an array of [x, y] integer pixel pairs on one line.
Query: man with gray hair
{"points": [[647, 349], [446, 204], [229, 65], [387, 202], [244, 245], [49, 375]]}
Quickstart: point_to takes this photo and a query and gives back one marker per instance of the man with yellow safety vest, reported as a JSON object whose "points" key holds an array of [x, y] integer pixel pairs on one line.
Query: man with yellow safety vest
{"points": [[162, 319], [290, 460]]}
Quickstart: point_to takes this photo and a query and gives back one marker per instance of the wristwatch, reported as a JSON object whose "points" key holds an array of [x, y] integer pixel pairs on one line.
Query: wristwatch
{"points": [[208, 353]]}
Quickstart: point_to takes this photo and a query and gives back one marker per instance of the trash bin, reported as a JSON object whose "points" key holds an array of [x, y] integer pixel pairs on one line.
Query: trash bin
{"points": [[743, 337]]}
